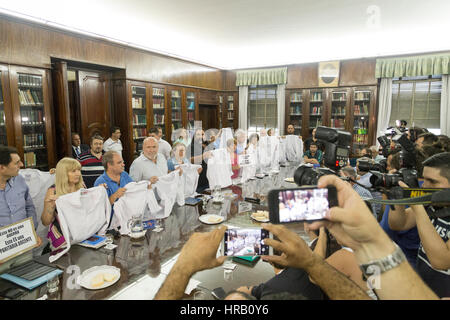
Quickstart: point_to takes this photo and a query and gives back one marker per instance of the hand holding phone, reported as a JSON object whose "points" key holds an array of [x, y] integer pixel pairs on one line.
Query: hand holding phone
{"points": [[301, 204], [245, 242], [296, 253]]}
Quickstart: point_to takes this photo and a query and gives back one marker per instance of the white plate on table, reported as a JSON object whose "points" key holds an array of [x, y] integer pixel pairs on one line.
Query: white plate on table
{"points": [[211, 219], [260, 216], [110, 276]]}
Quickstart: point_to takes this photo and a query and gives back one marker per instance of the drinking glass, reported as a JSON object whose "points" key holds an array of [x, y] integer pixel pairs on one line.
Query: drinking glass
{"points": [[52, 284], [228, 275], [216, 192], [109, 238]]}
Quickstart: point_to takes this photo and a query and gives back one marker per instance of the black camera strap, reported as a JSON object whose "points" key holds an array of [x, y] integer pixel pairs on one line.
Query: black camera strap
{"points": [[435, 197]]}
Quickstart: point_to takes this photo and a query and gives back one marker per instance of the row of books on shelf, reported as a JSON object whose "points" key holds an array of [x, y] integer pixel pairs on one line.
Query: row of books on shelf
{"points": [[176, 103], [137, 102], [316, 123], [158, 92], [316, 110], [176, 115], [158, 106], [360, 124], [337, 123], [190, 96], [296, 110], [340, 110], [230, 115], [316, 96], [29, 159], [191, 105], [339, 96], [32, 116], [191, 116], [30, 97], [176, 94], [3, 139], [362, 95], [230, 106], [361, 109], [30, 81], [296, 97], [33, 140], [138, 90], [230, 98], [139, 119], [2, 118], [139, 133], [361, 138], [158, 118]]}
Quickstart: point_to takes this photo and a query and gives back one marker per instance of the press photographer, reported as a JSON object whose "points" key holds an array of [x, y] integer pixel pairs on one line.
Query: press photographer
{"points": [[433, 263]]}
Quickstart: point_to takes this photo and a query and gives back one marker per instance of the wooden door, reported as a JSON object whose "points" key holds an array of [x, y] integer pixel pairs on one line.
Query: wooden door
{"points": [[95, 103], [208, 116], [62, 110], [6, 113]]}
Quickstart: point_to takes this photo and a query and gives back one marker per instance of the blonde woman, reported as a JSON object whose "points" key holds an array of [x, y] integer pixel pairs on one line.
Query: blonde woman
{"points": [[68, 179]]}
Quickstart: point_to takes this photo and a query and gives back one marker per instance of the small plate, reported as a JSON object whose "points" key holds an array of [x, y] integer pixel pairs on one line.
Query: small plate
{"points": [[290, 180], [260, 175], [88, 275], [211, 219], [259, 218]]}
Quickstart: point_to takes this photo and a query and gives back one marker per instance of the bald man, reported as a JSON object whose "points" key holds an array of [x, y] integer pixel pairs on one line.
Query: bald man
{"points": [[150, 164]]}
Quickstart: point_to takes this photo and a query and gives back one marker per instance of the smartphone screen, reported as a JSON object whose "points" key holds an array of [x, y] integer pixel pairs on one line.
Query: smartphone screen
{"points": [[245, 242], [302, 204]]}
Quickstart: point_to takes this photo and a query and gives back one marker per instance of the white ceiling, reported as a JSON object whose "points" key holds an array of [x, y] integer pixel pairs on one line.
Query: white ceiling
{"points": [[234, 34]]}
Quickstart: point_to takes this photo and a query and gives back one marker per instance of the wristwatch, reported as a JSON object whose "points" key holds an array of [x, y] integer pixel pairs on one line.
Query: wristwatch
{"points": [[377, 267]]}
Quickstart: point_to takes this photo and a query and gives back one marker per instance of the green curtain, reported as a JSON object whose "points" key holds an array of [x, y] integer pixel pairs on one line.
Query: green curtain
{"points": [[261, 77], [426, 65]]}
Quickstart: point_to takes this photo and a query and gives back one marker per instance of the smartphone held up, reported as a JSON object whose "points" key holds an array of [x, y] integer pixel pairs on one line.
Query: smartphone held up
{"points": [[245, 242], [301, 204]]}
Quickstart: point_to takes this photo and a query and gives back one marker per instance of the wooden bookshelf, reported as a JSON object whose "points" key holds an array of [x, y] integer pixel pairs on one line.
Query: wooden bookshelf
{"points": [[295, 112], [351, 109], [33, 119]]}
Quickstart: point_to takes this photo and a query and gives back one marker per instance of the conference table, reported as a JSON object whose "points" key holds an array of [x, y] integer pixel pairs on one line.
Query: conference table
{"points": [[144, 264]]}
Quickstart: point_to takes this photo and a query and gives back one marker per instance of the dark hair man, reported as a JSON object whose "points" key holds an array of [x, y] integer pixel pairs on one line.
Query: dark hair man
{"points": [[163, 146], [433, 263], [426, 138], [77, 147], [113, 143], [91, 161], [15, 199]]}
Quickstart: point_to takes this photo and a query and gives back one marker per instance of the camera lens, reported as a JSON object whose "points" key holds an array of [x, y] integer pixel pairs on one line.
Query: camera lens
{"points": [[305, 176]]}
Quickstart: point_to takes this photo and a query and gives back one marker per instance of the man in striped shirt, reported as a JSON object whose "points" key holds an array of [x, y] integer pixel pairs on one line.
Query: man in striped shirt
{"points": [[91, 161]]}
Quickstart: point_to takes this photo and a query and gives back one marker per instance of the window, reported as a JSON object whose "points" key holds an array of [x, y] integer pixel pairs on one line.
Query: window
{"points": [[418, 101], [262, 108]]}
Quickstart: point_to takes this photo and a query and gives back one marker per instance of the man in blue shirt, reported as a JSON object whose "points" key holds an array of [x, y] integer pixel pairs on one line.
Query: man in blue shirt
{"points": [[114, 177], [15, 200]]}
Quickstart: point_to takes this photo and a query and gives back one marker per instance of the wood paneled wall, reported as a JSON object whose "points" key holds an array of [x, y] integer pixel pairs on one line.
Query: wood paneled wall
{"points": [[360, 72], [29, 44]]}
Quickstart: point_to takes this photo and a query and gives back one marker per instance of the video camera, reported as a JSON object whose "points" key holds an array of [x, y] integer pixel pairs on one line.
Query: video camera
{"points": [[337, 146]]}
